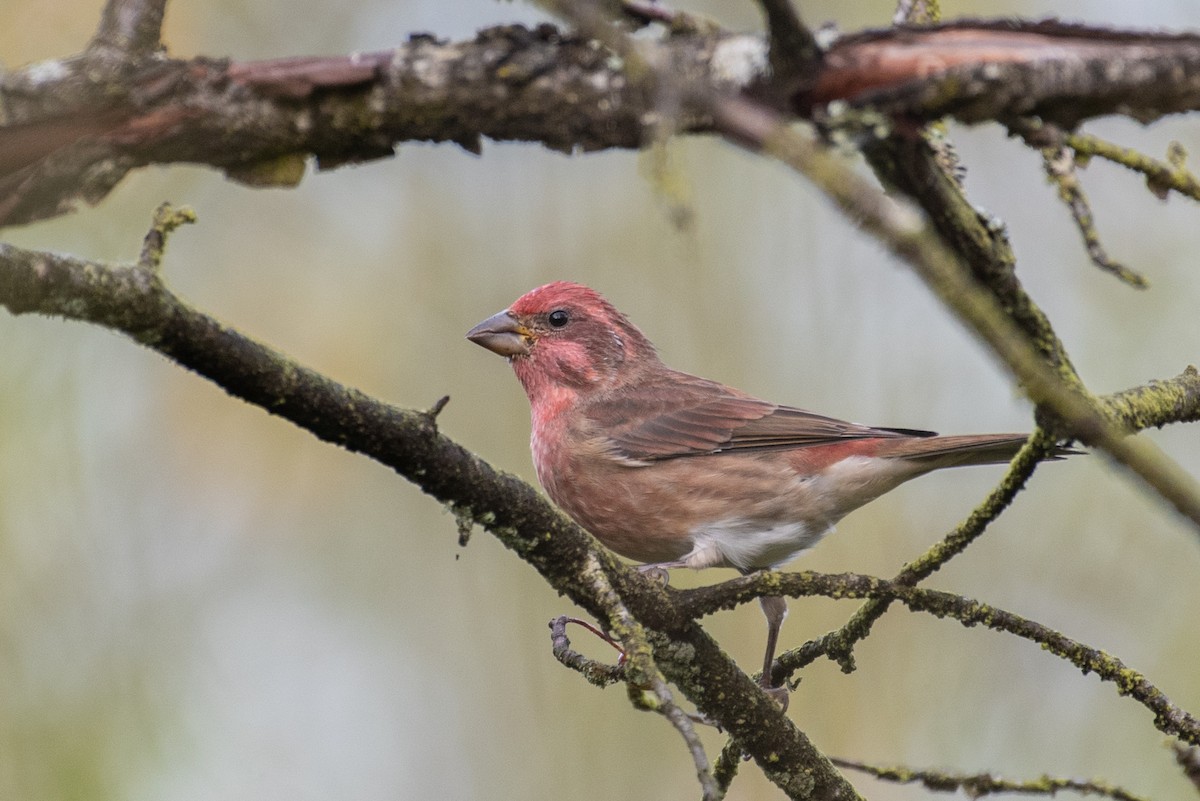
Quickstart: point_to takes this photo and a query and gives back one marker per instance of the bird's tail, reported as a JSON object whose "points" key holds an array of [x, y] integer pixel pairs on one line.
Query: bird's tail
{"points": [[957, 451]]}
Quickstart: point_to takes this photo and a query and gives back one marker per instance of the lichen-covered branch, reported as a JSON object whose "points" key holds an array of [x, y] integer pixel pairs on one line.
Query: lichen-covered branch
{"points": [[646, 686], [595, 672], [1153, 405], [134, 300], [976, 785], [839, 643], [1059, 162], [72, 128], [1068, 410], [1168, 717], [65, 137]]}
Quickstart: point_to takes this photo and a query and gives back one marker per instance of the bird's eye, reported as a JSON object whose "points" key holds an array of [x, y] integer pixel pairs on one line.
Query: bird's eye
{"points": [[558, 318]]}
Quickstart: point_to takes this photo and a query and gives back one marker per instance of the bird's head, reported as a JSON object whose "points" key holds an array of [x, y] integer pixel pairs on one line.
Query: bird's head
{"points": [[565, 336]]}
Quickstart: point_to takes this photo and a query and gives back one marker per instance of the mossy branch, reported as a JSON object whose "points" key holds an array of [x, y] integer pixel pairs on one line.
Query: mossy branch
{"points": [[1168, 717], [133, 299], [1069, 411], [976, 785]]}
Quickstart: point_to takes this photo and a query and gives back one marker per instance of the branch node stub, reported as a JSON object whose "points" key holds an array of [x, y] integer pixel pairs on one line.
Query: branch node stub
{"points": [[432, 413], [166, 219], [464, 519]]}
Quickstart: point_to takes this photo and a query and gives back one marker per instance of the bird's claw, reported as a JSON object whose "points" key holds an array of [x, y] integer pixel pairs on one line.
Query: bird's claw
{"points": [[779, 695], [655, 573]]}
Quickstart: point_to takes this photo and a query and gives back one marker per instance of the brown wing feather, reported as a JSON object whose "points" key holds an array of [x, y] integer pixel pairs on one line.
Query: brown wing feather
{"points": [[675, 414]]}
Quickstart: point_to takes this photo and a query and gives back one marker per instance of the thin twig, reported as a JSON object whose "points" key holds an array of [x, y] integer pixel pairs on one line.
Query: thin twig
{"points": [[646, 684], [1059, 163], [980, 784], [593, 670], [1162, 177], [728, 761], [167, 218]]}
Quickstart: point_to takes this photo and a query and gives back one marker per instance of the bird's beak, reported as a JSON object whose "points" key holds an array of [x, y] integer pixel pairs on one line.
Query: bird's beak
{"points": [[503, 334]]}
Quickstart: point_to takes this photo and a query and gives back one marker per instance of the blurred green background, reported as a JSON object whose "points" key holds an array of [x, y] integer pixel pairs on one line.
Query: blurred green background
{"points": [[198, 601]]}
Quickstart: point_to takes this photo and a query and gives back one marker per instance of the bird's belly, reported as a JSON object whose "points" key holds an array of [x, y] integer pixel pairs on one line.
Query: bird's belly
{"points": [[751, 544]]}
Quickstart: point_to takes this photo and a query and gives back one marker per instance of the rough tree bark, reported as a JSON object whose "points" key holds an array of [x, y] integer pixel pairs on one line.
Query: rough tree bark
{"points": [[71, 129]]}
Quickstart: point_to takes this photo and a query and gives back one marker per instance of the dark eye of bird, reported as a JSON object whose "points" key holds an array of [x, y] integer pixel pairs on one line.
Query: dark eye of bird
{"points": [[558, 318]]}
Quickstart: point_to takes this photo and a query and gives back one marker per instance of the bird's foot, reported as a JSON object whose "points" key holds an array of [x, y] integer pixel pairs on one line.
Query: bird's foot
{"points": [[657, 572], [779, 695]]}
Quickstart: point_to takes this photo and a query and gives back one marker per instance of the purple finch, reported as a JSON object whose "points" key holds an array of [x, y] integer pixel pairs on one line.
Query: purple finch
{"points": [[678, 471]]}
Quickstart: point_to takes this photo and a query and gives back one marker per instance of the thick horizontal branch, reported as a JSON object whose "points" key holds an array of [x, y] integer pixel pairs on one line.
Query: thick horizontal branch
{"points": [[135, 301], [66, 136], [977, 70], [70, 129]]}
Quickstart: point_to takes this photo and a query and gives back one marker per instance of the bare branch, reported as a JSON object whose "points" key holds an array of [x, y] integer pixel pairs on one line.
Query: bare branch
{"points": [[1168, 717], [71, 132], [981, 784], [647, 687], [1059, 161], [839, 644], [977, 70], [135, 301], [68, 138], [904, 231], [130, 28], [595, 672]]}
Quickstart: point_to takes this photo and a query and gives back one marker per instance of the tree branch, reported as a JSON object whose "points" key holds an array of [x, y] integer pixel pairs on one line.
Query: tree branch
{"points": [[71, 131], [1059, 163], [1168, 717], [134, 300], [593, 671], [645, 683], [129, 28], [981, 784], [1057, 392], [839, 644]]}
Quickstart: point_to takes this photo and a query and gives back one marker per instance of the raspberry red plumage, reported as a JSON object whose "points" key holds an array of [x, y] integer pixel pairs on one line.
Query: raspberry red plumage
{"points": [[668, 468], [663, 466]]}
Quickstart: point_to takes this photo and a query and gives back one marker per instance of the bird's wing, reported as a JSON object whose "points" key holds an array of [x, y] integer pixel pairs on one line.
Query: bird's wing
{"points": [[674, 415]]}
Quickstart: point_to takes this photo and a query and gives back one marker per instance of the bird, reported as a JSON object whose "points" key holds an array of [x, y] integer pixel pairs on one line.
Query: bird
{"points": [[672, 470]]}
